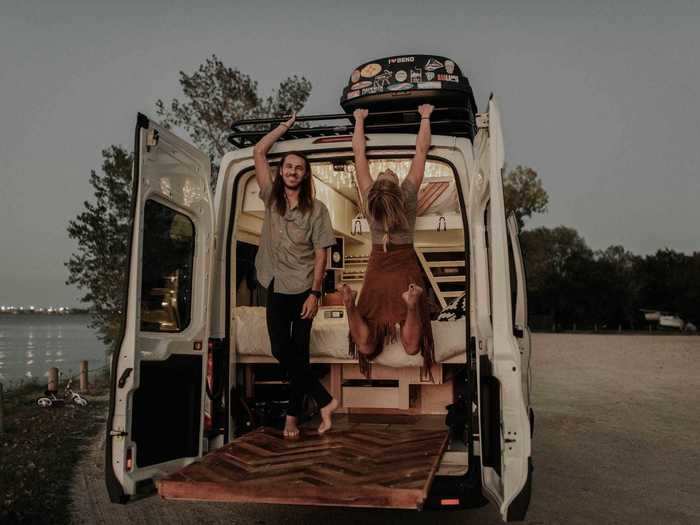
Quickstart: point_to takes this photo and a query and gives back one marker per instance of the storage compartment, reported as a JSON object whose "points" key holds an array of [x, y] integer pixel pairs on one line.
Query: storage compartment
{"points": [[402, 82], [380, 393]]}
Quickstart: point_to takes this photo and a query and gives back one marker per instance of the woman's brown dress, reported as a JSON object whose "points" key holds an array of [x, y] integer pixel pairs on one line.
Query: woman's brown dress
{"points": [[391, 268]]}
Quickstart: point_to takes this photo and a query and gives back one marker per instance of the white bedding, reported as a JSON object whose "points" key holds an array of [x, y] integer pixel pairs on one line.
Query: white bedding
{"points": [[329, 338]]}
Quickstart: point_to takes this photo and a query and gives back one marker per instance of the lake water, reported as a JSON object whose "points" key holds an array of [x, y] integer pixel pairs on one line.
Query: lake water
{"points": [[31, 344]]}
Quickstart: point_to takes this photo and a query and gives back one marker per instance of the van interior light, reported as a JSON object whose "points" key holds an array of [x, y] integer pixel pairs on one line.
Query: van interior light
{"points": [[333, 139]]}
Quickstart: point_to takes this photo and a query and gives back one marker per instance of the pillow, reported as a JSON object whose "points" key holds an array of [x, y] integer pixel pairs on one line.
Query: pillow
{"points": [[457, 309]]}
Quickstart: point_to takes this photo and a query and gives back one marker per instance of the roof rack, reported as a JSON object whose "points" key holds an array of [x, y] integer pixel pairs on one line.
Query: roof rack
{"points": [[448, 121]]}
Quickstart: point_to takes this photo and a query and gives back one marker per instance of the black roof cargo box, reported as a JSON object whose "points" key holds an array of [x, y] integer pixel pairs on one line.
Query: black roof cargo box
{"points": [[403, 82]]}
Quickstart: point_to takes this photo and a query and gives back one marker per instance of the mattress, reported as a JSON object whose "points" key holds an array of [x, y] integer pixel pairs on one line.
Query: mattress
{"points": [[329, 338]]}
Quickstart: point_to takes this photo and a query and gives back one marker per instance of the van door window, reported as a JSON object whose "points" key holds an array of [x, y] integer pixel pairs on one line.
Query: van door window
{"points": [[166, 281]]}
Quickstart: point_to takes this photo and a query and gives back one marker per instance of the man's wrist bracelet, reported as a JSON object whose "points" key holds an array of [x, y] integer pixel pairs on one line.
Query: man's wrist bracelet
{"points": [[315, 293], [425, 118]]}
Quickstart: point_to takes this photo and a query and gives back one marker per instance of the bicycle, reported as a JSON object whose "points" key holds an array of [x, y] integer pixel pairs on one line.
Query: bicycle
{"points": [[68, 396]]}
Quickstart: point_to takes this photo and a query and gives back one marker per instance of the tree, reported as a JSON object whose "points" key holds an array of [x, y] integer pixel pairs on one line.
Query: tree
{"points": [[557, 261], [217, 96], [618, 288], [524, 194], [102, 230]]}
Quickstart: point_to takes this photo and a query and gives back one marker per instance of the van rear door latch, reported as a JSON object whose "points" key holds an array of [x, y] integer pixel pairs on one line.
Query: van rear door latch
{"points": [[125, 375], [482, 121]]}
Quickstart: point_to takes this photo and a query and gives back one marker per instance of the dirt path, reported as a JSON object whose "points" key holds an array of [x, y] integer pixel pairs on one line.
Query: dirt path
{"points": [[616, 431]]}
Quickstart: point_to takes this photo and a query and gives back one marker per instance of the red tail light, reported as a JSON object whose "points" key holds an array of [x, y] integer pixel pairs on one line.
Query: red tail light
{"points": [[208, 424], [449, 502], [210, 367], [129, 459]]}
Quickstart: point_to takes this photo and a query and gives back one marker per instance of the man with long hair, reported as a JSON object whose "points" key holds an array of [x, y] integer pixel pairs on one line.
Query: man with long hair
{"points": [[393, 288], [290, 263]]}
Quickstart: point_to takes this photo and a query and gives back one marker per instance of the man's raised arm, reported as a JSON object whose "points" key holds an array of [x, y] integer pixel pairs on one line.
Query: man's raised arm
{"points": [[262, 167]]}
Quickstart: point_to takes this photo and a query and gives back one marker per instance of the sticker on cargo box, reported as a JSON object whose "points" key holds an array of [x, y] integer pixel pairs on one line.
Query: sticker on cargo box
{"points": [[400, 87], [449, 66], [355, 76], [401, 75], [429, 75], [432, 65], [382, 80], [372, 90], [401, 60], [416, 75], [360, 85], [430, 85], [370, 70], [447, 78], [352, 94]]}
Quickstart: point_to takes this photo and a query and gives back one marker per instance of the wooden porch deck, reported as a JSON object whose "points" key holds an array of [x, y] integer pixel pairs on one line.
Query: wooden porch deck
{"points": [[356, 465]]}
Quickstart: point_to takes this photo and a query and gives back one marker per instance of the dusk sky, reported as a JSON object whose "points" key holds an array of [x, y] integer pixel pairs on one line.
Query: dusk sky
{"points": [[601, 98]]}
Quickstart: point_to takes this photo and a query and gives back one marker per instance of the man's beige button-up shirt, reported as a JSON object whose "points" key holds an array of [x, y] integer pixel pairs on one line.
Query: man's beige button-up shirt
{"points": [[287, 244]]}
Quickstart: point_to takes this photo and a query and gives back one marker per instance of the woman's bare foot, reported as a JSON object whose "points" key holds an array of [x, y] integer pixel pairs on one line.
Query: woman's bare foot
{"points": [[349, 296], [291, 430], [326, 413], [412, 295]]}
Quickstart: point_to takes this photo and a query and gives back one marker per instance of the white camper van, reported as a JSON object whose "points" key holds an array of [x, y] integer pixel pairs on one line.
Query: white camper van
{"points": [[196, 395]]}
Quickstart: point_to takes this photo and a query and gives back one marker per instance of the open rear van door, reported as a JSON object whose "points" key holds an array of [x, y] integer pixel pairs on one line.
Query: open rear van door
{"points": [[504, 422], [158, 372], [520, 328]]}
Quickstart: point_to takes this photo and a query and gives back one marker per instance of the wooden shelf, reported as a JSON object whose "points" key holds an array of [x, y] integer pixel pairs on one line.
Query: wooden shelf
{"points": [[450, 279], [445, 264], [437, 261]]}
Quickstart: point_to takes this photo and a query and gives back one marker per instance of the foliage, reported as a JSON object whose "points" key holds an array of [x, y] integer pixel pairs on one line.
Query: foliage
{"points": [[570, 284], [217, 95], [102, 230], [524, 194]]}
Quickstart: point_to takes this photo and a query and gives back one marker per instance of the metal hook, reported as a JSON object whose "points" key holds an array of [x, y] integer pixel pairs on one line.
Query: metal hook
{"points": [[442, 222], [356, 227]]}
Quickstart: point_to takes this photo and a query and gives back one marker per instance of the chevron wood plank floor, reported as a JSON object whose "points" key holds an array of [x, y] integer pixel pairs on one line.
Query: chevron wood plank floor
{"points": [[354, 465]]}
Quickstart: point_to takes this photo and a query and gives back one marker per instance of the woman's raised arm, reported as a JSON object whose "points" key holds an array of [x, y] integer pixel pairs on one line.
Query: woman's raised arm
{"points": [[364, 180], [417, 170]]}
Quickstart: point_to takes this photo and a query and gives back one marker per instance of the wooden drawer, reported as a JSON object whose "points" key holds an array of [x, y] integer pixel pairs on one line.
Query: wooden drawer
{"points": [[370, 397]]}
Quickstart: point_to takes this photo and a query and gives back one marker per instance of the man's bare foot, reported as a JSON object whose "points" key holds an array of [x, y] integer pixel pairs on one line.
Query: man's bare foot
{"points": [[291, 430], [326, 413], [412, 295], [349, 296]]}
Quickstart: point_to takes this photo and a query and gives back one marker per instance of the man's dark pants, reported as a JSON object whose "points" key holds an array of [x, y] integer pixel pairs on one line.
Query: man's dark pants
{"points": [[289, 337]]}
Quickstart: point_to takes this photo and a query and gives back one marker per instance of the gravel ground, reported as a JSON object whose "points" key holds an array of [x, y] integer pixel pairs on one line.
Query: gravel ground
{"points": [[616, 441]]}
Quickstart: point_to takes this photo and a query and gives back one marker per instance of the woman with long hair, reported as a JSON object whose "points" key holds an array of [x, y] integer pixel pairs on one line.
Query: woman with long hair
{"points": [[393, 289]]}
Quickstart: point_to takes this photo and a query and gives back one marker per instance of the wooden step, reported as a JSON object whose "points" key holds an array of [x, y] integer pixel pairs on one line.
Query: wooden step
{"points": [[362, 465]]}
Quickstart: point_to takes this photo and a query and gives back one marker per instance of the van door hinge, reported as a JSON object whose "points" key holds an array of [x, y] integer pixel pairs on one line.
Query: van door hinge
{"points": [[482, 120], [152, 138], [117, 433]]}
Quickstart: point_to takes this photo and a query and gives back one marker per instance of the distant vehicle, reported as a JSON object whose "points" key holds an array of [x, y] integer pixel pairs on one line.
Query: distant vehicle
{"points": [[668, 320]]}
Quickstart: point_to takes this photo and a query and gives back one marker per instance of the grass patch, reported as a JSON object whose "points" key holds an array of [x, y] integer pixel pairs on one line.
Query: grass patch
{"points": [[39, 450]]}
